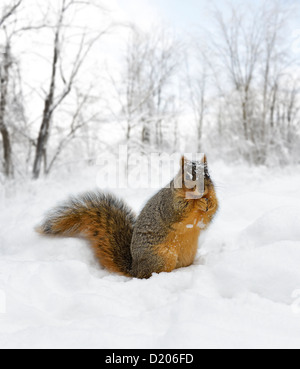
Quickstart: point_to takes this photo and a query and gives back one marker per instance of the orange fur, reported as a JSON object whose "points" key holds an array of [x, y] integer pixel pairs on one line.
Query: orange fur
{"points": [[181, 246], [105, 221]]}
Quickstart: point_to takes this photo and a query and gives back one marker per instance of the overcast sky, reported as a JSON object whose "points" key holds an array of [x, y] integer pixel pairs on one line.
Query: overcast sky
{"points": [[181, 13], [185, 16]]}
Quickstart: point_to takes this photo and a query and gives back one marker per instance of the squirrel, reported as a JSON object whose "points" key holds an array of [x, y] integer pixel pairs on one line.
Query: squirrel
{"points": [[164, 237]]}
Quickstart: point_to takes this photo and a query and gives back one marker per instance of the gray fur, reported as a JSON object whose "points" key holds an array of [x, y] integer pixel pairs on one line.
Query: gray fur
{"points": [[152, 228]]}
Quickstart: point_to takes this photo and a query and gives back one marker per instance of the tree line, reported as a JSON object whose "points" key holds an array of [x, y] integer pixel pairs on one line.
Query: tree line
{"points": [[233, 88]]}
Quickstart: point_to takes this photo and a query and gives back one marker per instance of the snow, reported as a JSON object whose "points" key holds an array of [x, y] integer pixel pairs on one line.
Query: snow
{"points": [[242, 292], [201, 225]]}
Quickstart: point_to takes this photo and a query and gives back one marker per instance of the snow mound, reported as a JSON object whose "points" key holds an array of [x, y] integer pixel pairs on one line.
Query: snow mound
{"points": [[282, 224], [242, 292]]}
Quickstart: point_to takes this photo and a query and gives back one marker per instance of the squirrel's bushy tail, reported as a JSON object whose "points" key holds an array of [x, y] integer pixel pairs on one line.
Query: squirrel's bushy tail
{"points": [[105, 221]]}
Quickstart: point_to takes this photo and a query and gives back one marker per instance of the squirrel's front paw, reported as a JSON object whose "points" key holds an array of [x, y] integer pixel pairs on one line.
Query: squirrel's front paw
{"points": [[203, 205], [206, 205]]}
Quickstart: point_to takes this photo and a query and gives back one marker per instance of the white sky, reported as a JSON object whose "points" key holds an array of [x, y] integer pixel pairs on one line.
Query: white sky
{"points": [[181, 13], [185, 16]]}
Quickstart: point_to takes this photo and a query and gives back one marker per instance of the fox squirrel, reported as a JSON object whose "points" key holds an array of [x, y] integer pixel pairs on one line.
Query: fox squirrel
{"points": [[164, 237]]}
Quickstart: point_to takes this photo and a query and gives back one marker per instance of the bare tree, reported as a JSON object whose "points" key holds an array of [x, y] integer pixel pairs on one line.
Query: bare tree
{"points": [[12, 27], [144, 92], [55, 98], [4, 77], [252, 59], [78, 120], [239, 53], [8, 11], [197, 87], [5, 71]]}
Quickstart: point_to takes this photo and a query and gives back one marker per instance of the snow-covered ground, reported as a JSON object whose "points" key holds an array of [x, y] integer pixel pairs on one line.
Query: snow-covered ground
{"points": [[242, 292]]}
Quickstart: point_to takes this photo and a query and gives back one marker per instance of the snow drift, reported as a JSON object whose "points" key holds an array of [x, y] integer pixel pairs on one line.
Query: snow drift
{"points": [[241, 293]]}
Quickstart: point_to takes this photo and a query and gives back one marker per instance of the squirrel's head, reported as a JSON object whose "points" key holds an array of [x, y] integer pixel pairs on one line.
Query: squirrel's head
{"points": [[193, 179]]}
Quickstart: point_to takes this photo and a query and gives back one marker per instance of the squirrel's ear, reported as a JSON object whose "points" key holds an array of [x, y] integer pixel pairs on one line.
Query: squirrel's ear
{"points": [[205, 159]]}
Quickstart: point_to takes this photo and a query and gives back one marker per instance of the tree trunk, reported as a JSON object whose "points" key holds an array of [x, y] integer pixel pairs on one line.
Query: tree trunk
{"points": [[159, 134], [201, 121], [7, 149], [200, 132], [245, 120], [146, 134], [41, 148]]}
